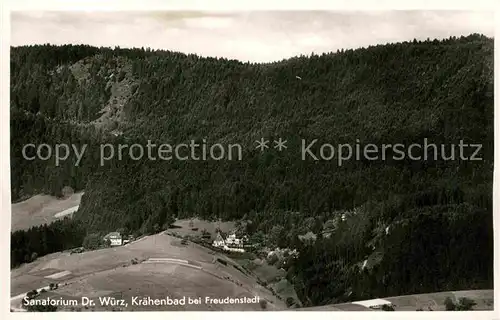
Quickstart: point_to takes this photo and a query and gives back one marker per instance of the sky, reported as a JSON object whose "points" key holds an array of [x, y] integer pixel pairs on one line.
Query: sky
{"points": [[255, 36]]}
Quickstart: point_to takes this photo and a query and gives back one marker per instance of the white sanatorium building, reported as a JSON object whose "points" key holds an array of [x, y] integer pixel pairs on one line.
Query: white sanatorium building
{"points": [[231, 243]]}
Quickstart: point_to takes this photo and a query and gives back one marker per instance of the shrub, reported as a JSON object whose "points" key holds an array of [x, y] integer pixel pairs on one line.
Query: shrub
{"points": [[156, 228], [272, 259], [387, 307], [263, 304], [449, 305], [290, 302], [92, 241], [465, 304], [31, 294], [41, 308]]}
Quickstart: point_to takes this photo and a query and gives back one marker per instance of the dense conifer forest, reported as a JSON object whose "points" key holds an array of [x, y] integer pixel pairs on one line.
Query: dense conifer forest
{"points": [[411, 226]]}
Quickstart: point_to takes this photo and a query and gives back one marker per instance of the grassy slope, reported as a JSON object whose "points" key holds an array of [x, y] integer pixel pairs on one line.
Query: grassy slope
{"points": [[40, 209], [109, 272]]}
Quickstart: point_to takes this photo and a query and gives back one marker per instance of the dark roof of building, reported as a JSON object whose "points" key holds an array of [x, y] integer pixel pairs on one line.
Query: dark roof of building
{"points": [[219, 237]]}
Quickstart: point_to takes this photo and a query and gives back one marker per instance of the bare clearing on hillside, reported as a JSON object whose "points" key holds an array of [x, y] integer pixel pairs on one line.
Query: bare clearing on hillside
{"points": [[41, 209], [121, 84]]}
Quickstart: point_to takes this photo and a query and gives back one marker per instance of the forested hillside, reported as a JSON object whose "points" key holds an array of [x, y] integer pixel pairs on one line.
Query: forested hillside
{"points": [[412, 226]]}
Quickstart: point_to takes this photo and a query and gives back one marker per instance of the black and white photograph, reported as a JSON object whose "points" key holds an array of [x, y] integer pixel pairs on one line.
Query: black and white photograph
{"points": [[251, 160]]}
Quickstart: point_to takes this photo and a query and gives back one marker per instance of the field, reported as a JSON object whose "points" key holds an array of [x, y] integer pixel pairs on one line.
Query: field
{"points": [[41, 209], [425, 302], [110, 272]]}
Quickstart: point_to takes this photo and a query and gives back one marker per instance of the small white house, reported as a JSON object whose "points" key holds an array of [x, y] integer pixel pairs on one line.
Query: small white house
{"points": [[373, 303], [115, 238], [231, 243], [231, 240]]}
